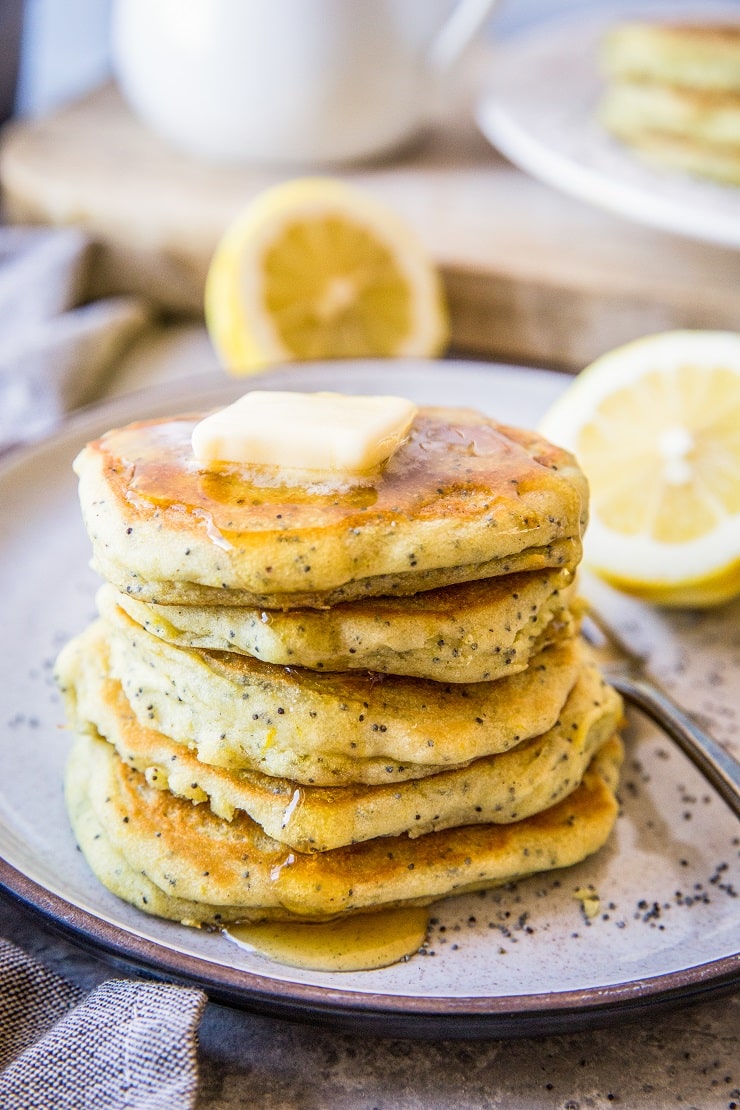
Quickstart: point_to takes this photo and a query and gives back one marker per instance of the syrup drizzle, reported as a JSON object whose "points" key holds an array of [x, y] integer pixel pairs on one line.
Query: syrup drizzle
{"points": [[359, 942]]}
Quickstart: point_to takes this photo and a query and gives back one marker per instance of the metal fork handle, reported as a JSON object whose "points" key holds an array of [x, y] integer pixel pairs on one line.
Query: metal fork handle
{"points": [[716, 764]]}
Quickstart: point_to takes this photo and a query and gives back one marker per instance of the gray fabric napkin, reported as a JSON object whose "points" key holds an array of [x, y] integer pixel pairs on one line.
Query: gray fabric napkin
{"points": [[129, 1045], [55, 350]]}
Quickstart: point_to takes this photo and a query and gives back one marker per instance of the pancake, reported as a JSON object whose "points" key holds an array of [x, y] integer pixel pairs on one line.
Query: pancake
{"points": [[171, 858], [473, 632], [462, 498], [717, 162], [701, 56], [673, 95], [499, 789], [327, 729], [635, 110]]}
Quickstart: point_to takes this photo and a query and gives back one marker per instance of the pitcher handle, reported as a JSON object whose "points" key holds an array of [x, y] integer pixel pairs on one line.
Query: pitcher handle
{"points": [[456, 33]]}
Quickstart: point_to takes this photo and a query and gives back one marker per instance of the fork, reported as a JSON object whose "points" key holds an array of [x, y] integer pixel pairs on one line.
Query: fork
{"points": [[627, 672]]}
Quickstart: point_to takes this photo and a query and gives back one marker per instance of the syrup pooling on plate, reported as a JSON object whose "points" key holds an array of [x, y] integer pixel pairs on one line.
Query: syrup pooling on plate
{"points": [[362, 942], [463, 498]]}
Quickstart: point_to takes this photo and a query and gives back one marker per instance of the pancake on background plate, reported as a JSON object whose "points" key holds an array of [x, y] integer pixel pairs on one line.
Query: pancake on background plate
{"points": [[312, 696], [673, 94], [688, 54]]}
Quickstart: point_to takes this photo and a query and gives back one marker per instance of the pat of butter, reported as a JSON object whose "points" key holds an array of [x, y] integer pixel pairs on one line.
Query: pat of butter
{"points": [[305, 431]]}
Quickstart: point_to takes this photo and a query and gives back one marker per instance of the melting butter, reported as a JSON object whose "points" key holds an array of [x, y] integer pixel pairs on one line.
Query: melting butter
{"points": [[361, 942], [330, 432]]}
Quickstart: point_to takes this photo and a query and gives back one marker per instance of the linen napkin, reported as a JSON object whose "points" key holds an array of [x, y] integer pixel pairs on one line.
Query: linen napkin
{"points": [[128, 1045], [55, 349]]}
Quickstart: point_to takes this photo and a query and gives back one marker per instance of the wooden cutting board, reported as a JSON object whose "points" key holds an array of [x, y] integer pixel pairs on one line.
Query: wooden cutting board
{"points": [[532, 276]]}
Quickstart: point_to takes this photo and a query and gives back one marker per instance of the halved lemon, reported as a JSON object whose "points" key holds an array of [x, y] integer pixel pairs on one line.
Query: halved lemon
{"points": [[655, 425], [317, 269]]}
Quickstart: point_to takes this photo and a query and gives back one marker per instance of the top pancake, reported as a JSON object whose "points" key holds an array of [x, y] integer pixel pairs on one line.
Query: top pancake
{"points": [[463, 498], [701, 56]]}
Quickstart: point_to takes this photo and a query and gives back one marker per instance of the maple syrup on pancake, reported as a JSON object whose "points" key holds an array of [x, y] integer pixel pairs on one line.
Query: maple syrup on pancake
{"points": [[438, 464]]}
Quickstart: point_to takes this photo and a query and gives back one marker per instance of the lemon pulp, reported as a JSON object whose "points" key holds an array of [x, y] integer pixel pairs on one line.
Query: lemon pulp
{"points": [[331, 290], [317, 269], [656, 426]]}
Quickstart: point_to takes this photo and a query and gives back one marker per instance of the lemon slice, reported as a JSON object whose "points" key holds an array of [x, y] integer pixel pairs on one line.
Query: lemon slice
{"points": [[317, 269], [655, 425]]}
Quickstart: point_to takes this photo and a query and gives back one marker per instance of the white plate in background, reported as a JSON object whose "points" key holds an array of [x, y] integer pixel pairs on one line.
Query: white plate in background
{"points": [[539, 110]]}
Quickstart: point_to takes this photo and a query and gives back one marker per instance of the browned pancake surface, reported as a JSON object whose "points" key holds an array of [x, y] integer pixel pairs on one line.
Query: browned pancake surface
{"points": [[462, 492], [175, 859]]}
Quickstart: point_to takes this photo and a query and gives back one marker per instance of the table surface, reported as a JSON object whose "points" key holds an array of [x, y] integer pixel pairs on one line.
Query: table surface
{"points": [[686, 1058]]}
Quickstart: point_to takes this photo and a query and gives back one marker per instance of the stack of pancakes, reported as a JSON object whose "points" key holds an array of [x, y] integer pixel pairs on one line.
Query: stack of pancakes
{"points": [[304, 698], [673, 94]]}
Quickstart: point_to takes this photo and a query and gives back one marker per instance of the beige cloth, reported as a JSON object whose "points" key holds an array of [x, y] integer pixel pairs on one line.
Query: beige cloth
{"points": [[55, 350]]}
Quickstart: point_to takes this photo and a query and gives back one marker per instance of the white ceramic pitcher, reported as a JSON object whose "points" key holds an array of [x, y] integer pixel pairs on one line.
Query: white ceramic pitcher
{"points": [[286, 82]]}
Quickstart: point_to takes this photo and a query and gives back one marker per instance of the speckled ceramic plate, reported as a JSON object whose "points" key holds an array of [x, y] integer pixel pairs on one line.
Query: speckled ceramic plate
{"points": [[539, 109], [514, 961]]}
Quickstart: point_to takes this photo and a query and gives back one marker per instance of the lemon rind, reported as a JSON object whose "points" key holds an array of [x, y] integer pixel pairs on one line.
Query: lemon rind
{"points": [[704, 571]]}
